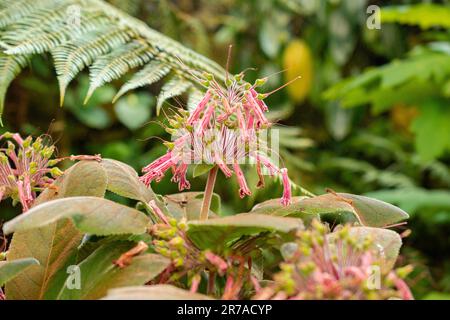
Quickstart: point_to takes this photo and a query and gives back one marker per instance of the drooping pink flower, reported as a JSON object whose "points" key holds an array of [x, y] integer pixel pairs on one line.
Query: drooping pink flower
{"points": [[287, 195], [222, 130], [243, 188]]}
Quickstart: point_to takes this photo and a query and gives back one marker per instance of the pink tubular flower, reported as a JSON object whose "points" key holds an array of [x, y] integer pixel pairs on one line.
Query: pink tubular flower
{"points": [[243, 188], [224, 129], [199, 109], [287, 195]]}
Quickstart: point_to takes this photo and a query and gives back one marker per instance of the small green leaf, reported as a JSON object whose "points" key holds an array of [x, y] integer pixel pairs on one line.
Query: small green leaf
{"points": [[221, 232], [10, 269], [154, 292], [98, 273], [201, 169], [91, 215]]}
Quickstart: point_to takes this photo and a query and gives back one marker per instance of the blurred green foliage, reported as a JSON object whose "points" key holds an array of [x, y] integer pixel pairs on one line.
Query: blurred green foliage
{"points": [[374, 118]]}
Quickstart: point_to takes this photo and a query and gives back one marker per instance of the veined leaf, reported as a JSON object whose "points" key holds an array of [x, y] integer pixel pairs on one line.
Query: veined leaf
{"points": [[52, 246], [91, 215], [124, 181], [98, 274], [154, 292], [221, 232], [83, 178], [10, 269]]}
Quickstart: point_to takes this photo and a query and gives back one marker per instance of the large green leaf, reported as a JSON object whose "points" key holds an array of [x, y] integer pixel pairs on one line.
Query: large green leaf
{"points": [[91, 215], [124, 181], [155, 292], [83, 178], [188, 205], [52, 245], [98, 273], [374, 213], [425, 15], [221, 232], [10, 269]]}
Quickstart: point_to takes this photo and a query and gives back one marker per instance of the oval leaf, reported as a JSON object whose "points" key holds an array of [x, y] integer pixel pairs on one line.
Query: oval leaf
{"points": [[91, 215], [219, 232]]}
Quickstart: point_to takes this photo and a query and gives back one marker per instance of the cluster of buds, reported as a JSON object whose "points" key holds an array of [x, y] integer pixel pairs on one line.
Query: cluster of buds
{"points": [[171, 241], [223, 130], [27, 167], [318, 266]]}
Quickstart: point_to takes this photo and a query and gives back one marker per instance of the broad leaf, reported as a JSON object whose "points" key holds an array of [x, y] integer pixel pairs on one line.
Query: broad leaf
{"points": [[91, 215], [155, 292], [188, 205], [83, 178], [52, 246], [375, 213], [98, 273], [221, 232], [10, 269], [124, 181]]}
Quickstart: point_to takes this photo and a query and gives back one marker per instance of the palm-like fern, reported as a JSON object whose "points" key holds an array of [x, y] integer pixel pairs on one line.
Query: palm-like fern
{"points": [[105, 39]]}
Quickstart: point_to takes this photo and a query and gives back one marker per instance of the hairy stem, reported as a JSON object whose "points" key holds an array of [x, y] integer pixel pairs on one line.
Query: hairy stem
{"points": [[209, 189]]}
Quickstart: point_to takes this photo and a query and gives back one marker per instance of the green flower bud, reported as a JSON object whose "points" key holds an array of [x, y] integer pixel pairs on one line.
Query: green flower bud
{"points": [[33, 167], [27, 142], [56, 172], [260, 82]]}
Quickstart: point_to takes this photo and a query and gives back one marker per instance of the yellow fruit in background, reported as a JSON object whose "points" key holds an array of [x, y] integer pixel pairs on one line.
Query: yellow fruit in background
{"points": [[297, 61], [402, 115]]}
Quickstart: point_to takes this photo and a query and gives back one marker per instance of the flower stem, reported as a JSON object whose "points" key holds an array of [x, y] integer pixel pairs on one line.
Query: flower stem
{"points": [[209, 189]]}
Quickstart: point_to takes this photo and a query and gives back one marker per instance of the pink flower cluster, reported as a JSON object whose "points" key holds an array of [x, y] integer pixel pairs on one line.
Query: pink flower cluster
{"points": [[222, 130], [26, 168], [322, 265]]}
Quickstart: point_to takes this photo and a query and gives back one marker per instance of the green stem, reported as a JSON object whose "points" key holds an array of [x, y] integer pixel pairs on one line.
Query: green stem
{"points": [[207, 196]]}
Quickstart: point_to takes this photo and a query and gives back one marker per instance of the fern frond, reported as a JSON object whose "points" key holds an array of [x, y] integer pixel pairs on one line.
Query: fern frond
{"points": [[74, 56], [151, 73], [117, 63], [10, 67], [174, 87], [107, 40], [15, 10], [42, 36]]}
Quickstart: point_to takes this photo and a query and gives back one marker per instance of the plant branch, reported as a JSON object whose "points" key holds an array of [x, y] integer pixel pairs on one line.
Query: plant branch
{"points": [[207, 196]]}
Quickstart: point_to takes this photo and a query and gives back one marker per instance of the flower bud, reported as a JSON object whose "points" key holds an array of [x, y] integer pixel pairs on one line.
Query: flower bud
{"points": [[56, 172]]}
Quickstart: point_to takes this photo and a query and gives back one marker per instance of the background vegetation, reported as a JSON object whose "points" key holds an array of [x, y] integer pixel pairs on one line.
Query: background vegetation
{"points": [[371, 114]]}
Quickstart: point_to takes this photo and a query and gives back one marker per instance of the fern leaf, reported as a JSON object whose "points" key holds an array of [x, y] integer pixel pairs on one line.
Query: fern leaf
{"points": [[174, 87], [36, 39], [151, 73], [18, 9], [74, 56], [115, 64], [10, 67]]}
